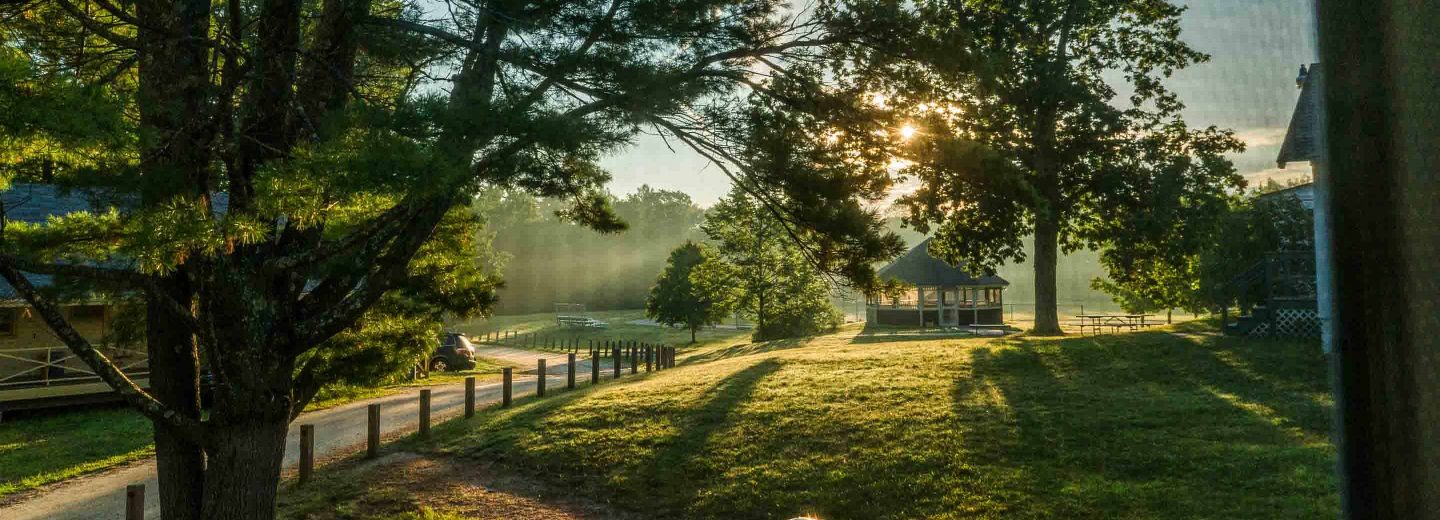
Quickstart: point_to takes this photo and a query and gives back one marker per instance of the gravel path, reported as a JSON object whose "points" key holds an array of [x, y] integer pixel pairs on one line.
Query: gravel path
{"points": [[338, 432]]}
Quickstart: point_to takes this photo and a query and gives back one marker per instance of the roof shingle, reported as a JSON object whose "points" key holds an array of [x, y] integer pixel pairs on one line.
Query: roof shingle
{"points": [[1302, 138], [917, 267]]}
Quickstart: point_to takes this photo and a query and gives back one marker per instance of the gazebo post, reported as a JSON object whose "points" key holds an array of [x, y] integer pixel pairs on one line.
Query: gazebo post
{"points": [[975, 306], [920, 303], [1000, 301]]}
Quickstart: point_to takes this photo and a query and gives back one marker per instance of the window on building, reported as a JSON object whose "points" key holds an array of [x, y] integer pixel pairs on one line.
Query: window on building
{"points": [[906, 299], [8, 319], [932, 297]]}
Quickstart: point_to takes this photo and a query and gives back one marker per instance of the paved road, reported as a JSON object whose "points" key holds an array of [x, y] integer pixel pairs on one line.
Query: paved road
{"points": [[338, 431]]}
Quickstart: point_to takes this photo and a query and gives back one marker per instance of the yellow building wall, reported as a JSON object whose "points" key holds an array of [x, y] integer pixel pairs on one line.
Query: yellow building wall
{"points": [[32, 338]]}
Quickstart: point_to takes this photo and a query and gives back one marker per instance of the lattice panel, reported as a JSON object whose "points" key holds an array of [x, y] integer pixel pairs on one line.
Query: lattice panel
{"points": [[1291, 323]]}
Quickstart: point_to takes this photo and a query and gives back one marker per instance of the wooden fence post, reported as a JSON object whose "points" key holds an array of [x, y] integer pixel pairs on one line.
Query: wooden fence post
{"points": [[634, 359], [135, 502], [570, 373], [505, 387], [595, 367], [307, 452], [425, 412], [540, 378], [615, 357], [372, 429], [648, 354], [469, 397]]}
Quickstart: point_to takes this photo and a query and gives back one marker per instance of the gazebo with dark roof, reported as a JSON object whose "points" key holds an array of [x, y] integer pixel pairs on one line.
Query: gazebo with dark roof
{"points": [[939, 295]]}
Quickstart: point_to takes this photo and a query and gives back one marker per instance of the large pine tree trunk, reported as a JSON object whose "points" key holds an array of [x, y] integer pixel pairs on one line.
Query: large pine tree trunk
{"points": [[174, 380], [1047, 242], [173, 90], [243, 470], [251, 412]]}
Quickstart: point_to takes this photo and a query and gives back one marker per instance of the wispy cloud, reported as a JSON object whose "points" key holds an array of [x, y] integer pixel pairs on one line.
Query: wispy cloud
{"points": [[1262, 137]]}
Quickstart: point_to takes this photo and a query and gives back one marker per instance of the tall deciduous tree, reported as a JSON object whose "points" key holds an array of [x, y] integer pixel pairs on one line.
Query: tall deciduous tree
{"points": [[774, 284], [1043, 117], [677, 300], [288, 163]]}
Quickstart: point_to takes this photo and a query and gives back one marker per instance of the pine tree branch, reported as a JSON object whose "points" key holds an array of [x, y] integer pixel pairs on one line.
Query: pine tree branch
{"points": [[376, 227], [105, 274], [573, 59], [117, 12], [100, 29], [420, 28], [325, 319], [307, 383]]}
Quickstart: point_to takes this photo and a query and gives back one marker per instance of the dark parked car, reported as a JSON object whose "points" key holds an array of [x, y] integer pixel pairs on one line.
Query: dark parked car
{"points": [[455, 353]]}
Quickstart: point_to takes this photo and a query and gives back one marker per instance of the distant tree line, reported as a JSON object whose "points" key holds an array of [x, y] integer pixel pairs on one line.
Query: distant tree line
{"points": [[552, 260]]}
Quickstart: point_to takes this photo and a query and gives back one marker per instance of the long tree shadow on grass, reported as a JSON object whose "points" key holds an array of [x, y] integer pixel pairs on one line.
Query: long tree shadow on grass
{"points": [[1152, 425], [677, 460], [745, 349], [676, 463]]}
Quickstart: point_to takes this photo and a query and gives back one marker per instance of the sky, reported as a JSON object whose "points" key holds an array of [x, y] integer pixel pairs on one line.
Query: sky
{"points": [[1256, 48]]}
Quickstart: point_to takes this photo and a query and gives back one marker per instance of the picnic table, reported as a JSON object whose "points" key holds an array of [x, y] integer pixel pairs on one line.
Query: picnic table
{"points": [[1115, 322]]}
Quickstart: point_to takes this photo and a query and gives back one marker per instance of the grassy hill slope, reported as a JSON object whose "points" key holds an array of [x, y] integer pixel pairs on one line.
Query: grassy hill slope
{"points": [[1147, 425]]}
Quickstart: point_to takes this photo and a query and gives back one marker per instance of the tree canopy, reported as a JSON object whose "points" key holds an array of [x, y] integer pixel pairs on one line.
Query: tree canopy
{"points": [[763, 273], [677, 300], [1048, 119], [279, 172]]}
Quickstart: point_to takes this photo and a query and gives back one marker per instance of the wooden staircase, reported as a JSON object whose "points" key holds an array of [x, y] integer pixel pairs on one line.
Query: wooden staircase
{"points": [[1274, 297]]}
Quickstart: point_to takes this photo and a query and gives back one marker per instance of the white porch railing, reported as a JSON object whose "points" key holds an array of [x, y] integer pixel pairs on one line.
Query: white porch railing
{"points": [[46, 366]]}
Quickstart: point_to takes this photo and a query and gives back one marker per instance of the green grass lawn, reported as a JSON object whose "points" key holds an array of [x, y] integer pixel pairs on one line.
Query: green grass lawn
{"points": [[42, 449], [1144, 425]]}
